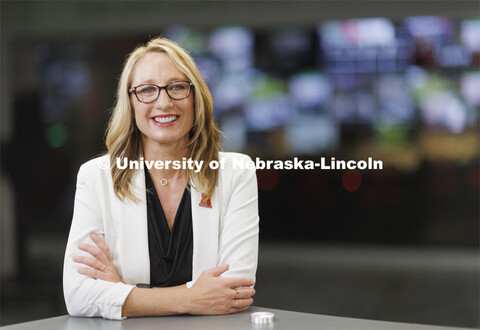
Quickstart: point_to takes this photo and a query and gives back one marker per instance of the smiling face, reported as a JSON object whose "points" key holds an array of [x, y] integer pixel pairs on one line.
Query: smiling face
{"points": [[164, 122]]}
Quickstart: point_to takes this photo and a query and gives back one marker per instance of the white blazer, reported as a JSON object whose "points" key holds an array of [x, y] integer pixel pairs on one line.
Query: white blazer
{"points": [[226, 233]]}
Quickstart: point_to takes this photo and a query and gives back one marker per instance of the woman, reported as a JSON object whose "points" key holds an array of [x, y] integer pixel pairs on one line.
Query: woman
{"points": [[158, 241]]}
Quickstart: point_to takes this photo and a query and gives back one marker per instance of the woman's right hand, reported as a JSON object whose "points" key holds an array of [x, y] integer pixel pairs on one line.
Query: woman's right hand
{"points": [[101, 263], [212, 294]]}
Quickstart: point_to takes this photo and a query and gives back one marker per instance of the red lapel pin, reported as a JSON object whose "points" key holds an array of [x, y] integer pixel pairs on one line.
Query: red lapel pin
{"points": [[206, 202]]}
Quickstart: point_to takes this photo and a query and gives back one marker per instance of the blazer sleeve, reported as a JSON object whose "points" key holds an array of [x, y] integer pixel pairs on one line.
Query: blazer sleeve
{"points": [[85, 296], [238, 239]]}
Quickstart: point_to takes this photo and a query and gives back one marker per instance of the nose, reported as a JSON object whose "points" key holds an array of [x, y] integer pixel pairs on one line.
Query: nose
{"points": [[163, 100]]}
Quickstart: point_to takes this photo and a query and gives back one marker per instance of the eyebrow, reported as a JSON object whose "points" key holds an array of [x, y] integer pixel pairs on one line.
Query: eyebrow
{"points": [[151, 81]]}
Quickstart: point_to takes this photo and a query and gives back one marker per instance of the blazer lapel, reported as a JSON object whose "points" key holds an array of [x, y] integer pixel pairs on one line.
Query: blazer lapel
{"points": [[205, 223]]}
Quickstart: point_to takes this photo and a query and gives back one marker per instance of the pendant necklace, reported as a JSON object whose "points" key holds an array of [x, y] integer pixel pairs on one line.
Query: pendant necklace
{"points": [[164, 181]]}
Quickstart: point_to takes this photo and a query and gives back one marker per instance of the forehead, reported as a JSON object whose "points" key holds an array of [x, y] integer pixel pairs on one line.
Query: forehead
{"points": [[156, 67]]}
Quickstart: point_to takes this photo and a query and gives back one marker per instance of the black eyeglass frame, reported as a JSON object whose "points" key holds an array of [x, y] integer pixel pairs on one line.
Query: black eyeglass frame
{"points": [[190, 85]]}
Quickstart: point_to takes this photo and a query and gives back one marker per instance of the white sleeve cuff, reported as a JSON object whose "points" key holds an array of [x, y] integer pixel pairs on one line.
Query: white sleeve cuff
{"points": [[114, 310]]}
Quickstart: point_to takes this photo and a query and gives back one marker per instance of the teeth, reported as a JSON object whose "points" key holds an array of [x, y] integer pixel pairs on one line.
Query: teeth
{"points": [[165, 119]]}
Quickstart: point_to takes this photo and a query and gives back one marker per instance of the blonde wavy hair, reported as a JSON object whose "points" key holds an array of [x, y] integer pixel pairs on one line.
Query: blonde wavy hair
{"points": [[123, 138]]}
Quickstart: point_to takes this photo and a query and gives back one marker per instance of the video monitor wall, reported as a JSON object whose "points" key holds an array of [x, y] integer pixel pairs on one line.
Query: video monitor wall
{"points": [[293, 91]]}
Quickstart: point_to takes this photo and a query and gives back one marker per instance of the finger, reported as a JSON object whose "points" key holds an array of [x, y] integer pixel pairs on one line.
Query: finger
{"points": [[93, 273], [242, 303], [244, 293], [238, 282], [217, 271], [92, 262], [94, 251], [101, 244]]}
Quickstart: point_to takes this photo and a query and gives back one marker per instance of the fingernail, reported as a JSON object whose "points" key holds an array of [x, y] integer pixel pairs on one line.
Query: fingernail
{"points": [[75, 258]]}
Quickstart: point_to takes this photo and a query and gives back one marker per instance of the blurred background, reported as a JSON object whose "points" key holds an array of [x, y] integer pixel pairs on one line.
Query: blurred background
{"points": [[398, 81]]}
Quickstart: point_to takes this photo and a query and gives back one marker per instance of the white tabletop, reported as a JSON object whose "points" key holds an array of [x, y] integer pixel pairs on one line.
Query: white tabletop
{"points": [[284, 320]]}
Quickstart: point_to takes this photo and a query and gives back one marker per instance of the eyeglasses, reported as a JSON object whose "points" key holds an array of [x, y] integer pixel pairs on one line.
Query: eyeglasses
{"points": [[149, 93]]}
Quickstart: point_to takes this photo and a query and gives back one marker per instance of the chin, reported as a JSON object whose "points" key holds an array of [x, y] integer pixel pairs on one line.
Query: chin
{"points": [[166, 140]]}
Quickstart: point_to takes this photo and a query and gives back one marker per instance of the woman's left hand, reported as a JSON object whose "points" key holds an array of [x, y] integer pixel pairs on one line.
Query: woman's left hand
{"points": [[101, 265]]}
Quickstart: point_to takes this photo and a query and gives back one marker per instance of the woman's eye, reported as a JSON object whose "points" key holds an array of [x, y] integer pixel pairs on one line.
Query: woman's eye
{"points": [[146, 90], [177, 87]]}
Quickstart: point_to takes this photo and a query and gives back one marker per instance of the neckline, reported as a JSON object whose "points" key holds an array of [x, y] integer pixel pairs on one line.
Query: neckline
{"points": [[150, 188]]}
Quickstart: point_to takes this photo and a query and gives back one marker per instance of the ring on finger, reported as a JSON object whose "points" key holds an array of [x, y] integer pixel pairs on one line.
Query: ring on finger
{"points": [[235, 303], [102, 268]]}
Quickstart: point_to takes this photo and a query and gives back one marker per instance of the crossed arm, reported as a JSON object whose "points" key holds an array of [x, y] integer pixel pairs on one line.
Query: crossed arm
{"points": [[210, 294]]}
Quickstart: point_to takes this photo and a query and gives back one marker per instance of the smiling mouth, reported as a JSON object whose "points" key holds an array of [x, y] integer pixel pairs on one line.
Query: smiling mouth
{"points": [[166, 119]]}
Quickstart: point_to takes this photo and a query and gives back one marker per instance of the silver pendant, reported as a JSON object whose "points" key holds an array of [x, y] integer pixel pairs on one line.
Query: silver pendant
{"points": [[163, 182]]}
